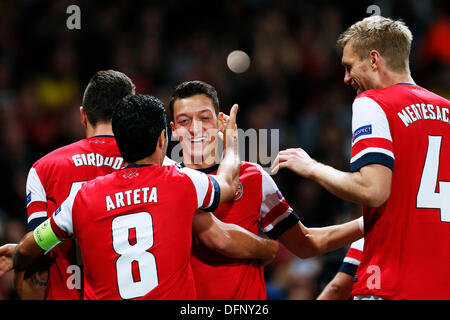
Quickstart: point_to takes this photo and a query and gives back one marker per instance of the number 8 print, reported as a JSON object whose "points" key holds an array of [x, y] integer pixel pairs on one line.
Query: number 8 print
{"points": [[134, 255]]}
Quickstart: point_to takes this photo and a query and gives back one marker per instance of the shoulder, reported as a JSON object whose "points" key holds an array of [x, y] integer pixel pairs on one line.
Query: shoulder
{"points": [[54, 157], [168, 162], [251, 169], [381, 94]]}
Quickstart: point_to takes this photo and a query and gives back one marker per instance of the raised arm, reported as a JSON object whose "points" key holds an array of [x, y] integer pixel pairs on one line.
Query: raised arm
{"points": [[308, 242], [371, 185], [27, 251], [231, 240], [228, 172]]}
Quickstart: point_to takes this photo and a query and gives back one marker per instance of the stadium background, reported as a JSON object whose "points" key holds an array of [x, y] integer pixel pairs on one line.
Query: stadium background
{"points": [[294, 83]]}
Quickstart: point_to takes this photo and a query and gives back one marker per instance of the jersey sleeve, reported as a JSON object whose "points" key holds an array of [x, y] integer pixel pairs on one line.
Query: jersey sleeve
{"points": [[206, 188], [57, 228], [276, 216], [371, 139], [353, 258], [36, 200], [61, 219]]}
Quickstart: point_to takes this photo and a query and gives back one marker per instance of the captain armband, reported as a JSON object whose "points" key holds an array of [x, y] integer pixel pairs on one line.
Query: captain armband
{"points": [[45, 237]]}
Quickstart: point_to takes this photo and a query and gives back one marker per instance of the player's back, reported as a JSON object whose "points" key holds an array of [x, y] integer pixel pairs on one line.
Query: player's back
{"points": [[407, 239], [51, 179], [135, 231]]}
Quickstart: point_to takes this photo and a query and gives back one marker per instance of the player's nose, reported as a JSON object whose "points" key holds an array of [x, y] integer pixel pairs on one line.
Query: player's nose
{"points": [[347, 78], [195, 128]]}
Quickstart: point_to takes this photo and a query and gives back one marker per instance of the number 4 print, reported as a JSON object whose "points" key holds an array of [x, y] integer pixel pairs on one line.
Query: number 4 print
{"points": [[427, 197]]}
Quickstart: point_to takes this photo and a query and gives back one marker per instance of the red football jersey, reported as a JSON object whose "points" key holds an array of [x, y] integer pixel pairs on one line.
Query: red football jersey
{"points": [[257, 204], [134, 229], [50, 181], [407, 239]]}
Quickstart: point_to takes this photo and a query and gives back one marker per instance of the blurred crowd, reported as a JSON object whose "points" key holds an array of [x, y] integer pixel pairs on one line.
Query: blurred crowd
{"points": [[294, 84]]}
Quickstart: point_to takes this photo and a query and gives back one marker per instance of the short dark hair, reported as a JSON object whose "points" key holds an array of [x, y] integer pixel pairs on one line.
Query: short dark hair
{"points": [[191, 88], [104, 90], [137, 123]]}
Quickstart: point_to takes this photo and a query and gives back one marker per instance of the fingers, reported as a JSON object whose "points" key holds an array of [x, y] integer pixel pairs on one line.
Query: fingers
{"points": [[7, 250], [280, 162], [232, 119], [234, 110], [224, 117], [6, 265]]}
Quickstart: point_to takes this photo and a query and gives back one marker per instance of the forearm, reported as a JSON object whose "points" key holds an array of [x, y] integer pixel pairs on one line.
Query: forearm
{"points": [[308, 242], [26, 252], [330, 238], [340, 288], [369, 186], [229, 169], [228, 177], [244, 244], [345, 185], [231, 240]]}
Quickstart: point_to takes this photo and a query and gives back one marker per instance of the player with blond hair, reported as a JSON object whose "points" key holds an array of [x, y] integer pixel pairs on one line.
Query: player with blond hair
{"points": [[399, 171]]}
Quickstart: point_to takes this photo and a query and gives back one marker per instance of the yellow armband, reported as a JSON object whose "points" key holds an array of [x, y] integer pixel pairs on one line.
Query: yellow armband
{"points": [[45, 237]]}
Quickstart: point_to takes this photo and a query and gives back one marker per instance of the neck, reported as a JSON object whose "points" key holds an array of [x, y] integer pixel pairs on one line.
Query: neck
{"points": [[154, 159], [207, 163], [103, 128], [394, 78]]}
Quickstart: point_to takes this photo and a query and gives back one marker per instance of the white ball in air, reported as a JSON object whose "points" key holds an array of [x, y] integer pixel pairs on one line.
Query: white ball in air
{"points": [[238, 61]]}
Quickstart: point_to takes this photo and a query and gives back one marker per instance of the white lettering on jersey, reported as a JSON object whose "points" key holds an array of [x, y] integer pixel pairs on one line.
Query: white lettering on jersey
{"points": [[131, 197], [422, 111], [97, 160]]}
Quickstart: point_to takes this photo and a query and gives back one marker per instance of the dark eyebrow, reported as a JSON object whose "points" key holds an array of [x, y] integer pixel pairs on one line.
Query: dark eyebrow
{"points": [[201, 111]]}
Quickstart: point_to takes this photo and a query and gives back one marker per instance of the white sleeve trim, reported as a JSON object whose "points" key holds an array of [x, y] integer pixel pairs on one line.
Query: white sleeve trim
{"points": [[36, 215], [372, 150], [352, 261]]}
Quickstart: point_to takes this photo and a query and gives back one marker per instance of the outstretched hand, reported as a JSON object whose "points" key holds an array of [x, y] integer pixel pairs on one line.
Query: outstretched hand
{"points": [[296, 160], [6, 254]]}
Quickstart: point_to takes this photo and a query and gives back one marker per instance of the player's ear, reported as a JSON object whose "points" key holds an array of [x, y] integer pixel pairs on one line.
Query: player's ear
{"points": [[162, 140], [375, 59], [83, 117]]}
